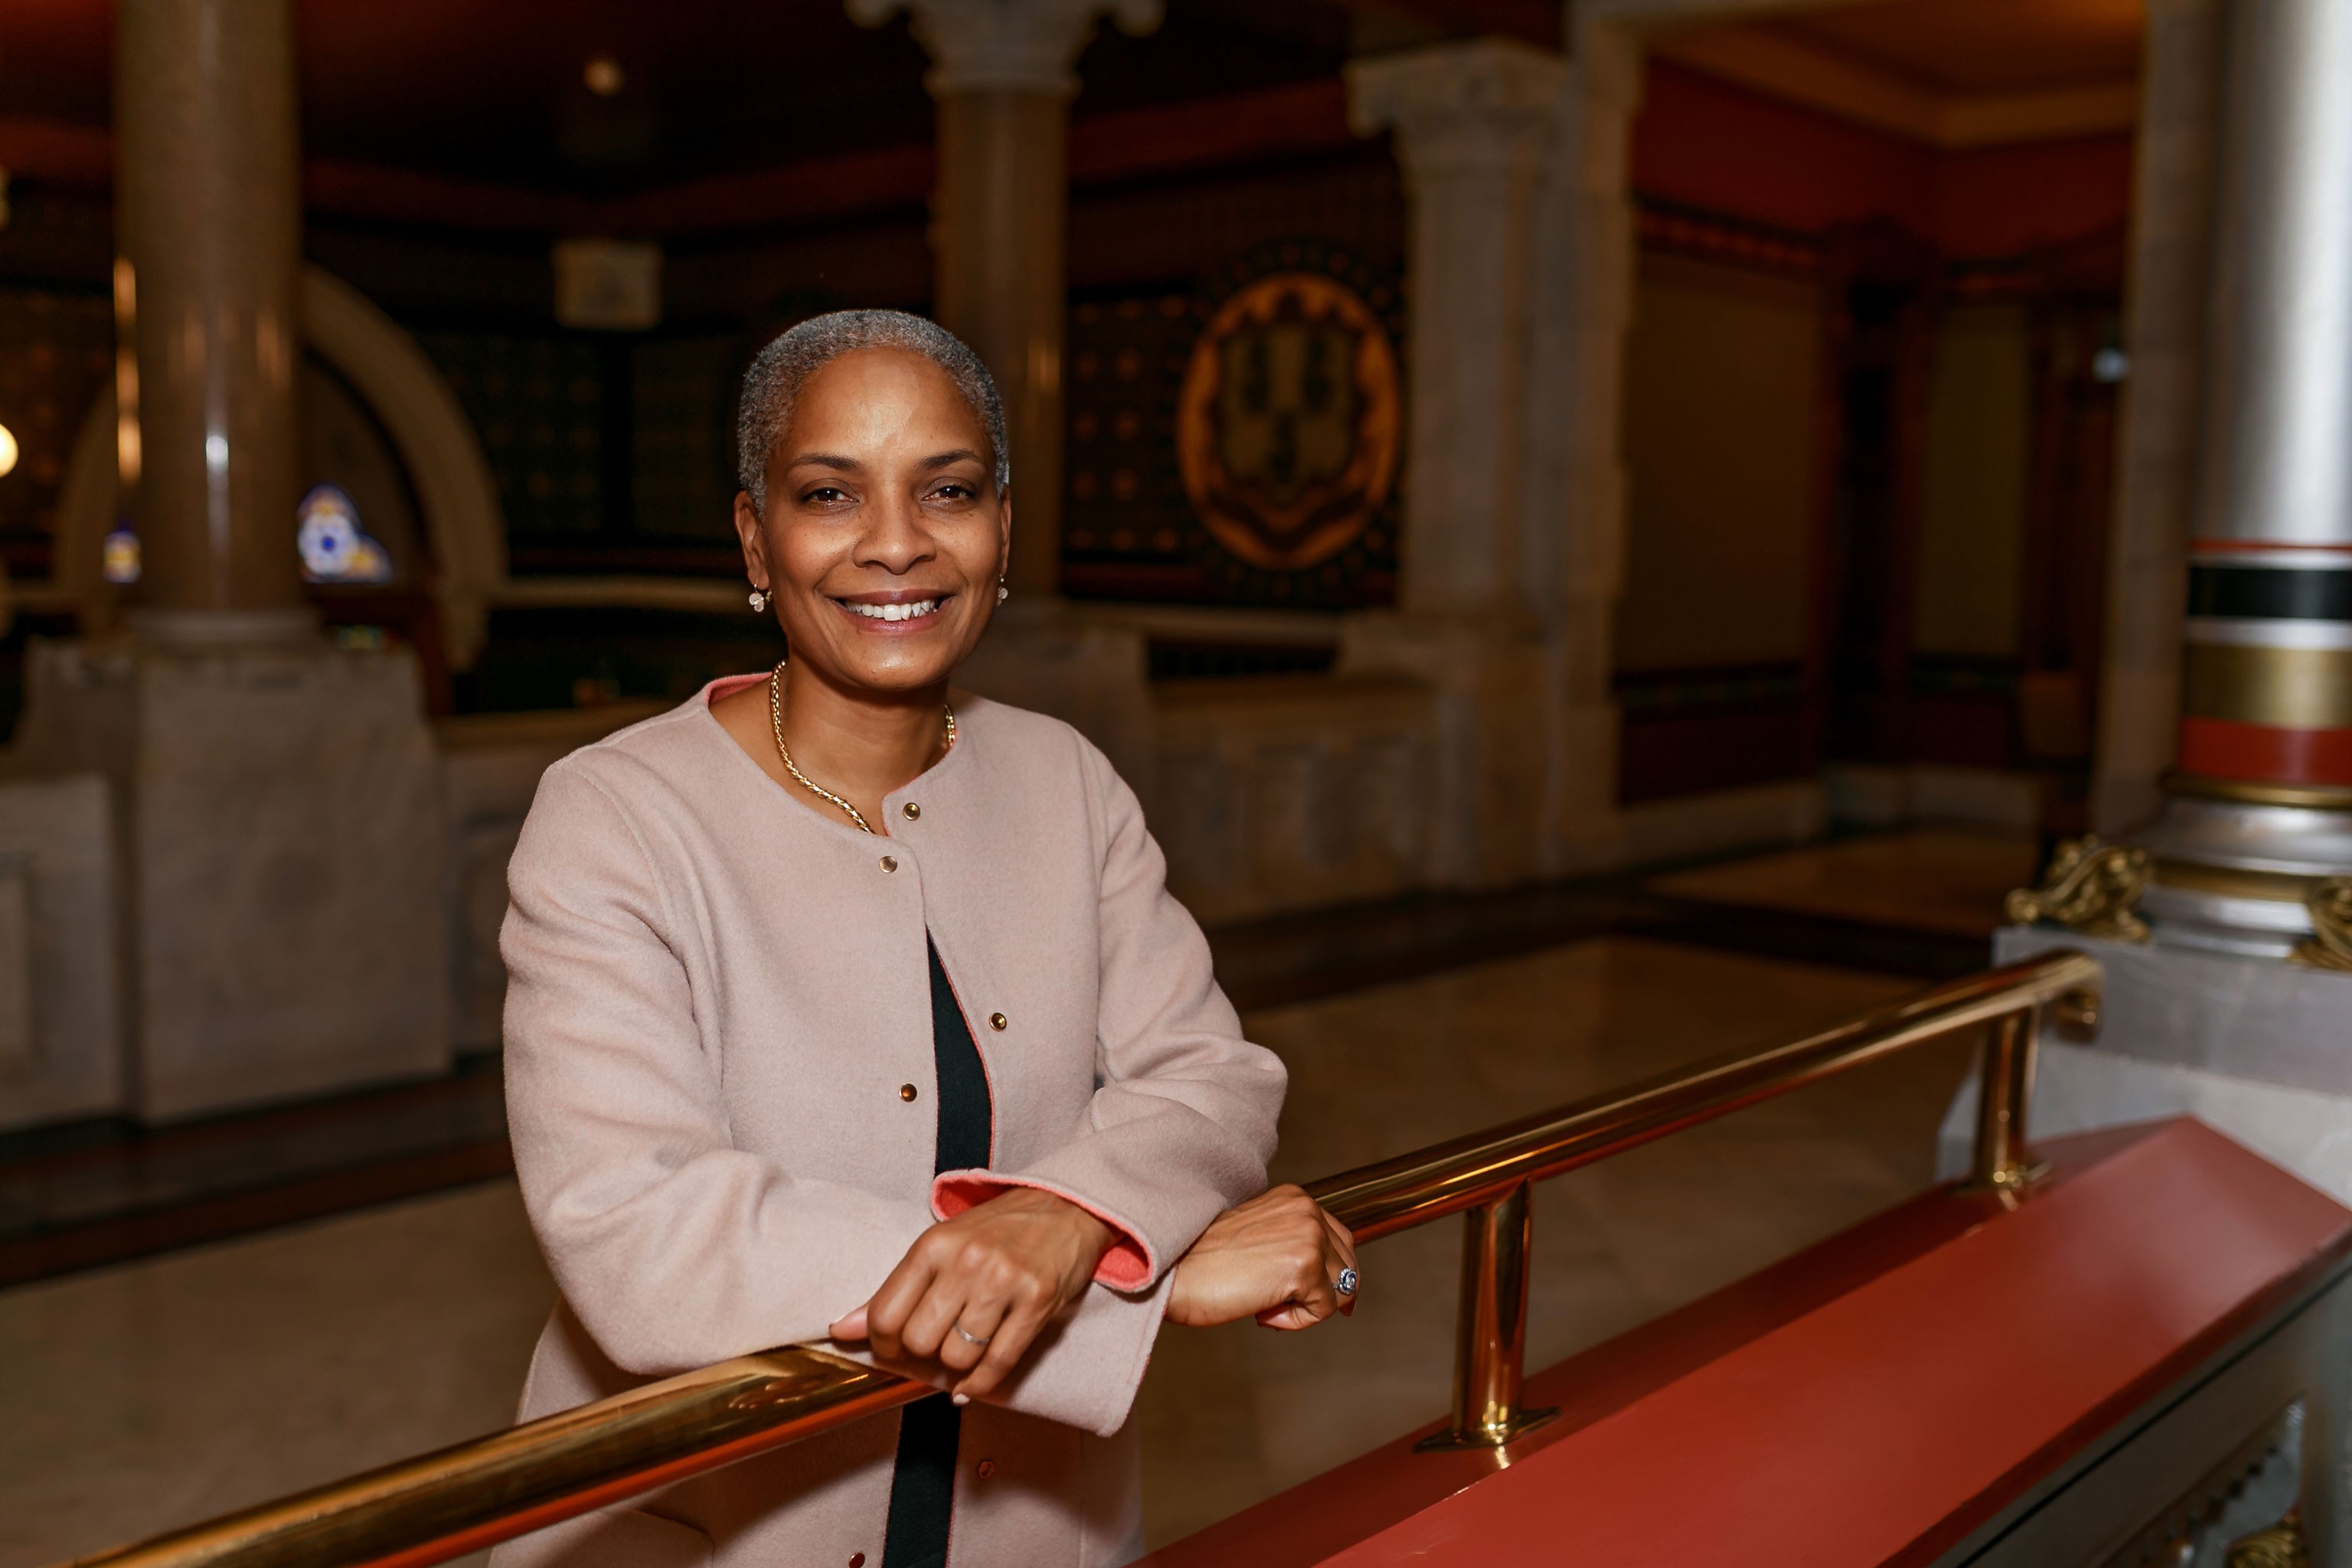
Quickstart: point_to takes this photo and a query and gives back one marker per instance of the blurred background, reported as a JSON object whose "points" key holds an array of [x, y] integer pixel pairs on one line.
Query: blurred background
{"points": [[1544, 504]]}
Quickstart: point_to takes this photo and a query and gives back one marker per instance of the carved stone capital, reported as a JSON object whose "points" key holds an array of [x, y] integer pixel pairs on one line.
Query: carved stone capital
{"points": [[1490, 105], [1025, 46]]}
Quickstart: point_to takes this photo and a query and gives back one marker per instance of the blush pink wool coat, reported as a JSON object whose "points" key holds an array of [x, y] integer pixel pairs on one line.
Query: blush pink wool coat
{"points": [[715, 994]]}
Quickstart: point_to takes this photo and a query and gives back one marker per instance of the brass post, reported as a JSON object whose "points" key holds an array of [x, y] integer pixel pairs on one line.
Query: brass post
{"points": [[1491, 1335], [2001, 1162]]}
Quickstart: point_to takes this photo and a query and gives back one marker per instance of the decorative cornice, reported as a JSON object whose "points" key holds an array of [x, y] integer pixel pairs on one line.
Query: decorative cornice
{"points": [[1489, 104], [1799, 72], [1022, 45]]}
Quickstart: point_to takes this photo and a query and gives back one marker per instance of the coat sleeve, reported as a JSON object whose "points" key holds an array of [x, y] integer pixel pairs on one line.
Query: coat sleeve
{"points": [[673, 1248], [1182, 1124]]}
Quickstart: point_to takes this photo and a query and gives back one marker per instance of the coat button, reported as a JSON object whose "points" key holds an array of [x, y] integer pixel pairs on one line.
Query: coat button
{"points": [[985, 1469], [997, 1021], [906, 1091], [889, 862], [910, 811]]}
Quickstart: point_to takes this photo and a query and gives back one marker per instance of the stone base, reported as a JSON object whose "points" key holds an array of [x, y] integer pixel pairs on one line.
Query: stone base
{"points": [[2253, 1047], [61, 970], [1501, 773], [1094, 678], [280, 810]]}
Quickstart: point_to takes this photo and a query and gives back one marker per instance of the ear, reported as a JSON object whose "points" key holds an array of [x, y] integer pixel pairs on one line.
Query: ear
{"points": [[754, 543], [1004, 532]]}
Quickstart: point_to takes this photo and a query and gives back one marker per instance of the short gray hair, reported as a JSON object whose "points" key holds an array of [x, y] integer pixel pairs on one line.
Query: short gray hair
{"points": [[773, 385]]}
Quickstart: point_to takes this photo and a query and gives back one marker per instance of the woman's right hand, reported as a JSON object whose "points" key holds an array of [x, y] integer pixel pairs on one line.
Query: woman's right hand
{"points": [[1275, 1257]]}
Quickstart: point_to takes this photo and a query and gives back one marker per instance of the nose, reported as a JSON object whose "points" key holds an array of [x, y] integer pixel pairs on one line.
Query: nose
{"points": [[895, 539]]}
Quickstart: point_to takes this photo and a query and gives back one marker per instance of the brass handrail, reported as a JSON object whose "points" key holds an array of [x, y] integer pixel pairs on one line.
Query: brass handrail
{"points": [[442, 1505]]}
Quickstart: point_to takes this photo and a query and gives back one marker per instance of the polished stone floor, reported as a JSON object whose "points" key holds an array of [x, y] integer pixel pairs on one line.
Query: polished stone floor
{"points": [[1943, 880], [158, 1391]]}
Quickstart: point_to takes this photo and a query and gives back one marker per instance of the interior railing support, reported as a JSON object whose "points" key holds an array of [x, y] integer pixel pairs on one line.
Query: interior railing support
{"points": [[2005, 1086], [1491, 1334], [441, 1506]]}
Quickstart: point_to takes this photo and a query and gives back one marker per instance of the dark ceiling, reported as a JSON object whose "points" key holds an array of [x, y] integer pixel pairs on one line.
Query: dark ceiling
{"points": [[496, 92]]}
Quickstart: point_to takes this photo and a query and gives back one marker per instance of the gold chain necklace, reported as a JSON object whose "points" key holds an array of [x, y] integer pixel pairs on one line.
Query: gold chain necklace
{"points": [[776, 718]]}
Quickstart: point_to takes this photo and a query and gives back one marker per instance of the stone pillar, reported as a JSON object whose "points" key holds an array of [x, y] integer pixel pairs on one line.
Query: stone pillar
{"points": [[209, 217], [1004, 73], [276, 801], [2172, 188], [1482, 612], [2261, 806]]}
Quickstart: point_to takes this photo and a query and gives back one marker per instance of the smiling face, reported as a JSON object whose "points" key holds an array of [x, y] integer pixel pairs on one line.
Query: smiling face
{"points": [[884, 533]]}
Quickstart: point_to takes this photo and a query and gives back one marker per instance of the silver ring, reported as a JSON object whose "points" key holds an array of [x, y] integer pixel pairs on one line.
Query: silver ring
{"points": [[971, 1339], [1347, 1282]]}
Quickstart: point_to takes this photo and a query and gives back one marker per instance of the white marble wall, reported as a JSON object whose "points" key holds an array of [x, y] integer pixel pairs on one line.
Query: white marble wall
{"points": [[280, 812], [490, 764], [1285, 794], [60, 1006]]}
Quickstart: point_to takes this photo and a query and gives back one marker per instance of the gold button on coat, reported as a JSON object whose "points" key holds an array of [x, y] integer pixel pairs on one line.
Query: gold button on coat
{"points": [[906, 1091], [997, 1021], [910, 811], [889, 862]]}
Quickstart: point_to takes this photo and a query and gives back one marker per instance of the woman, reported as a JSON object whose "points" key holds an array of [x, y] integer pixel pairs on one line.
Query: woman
{"points": [[842, 1006]]}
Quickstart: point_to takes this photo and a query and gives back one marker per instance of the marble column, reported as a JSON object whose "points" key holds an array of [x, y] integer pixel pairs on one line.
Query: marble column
{"points": [[2260, 809], [1481, 614], [275, 801], [209, 217], [2172, 202], [1004, 73]]}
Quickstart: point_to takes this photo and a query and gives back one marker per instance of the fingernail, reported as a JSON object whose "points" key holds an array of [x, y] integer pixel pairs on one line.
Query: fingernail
{"points": [[961, 1398]]}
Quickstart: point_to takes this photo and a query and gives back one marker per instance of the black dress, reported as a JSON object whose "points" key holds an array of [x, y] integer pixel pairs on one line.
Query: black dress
{"points": [[922, 1488]]}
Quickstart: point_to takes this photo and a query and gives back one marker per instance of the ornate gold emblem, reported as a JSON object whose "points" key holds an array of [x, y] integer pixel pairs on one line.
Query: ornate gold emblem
{"points": [[2279, 1546], [2330, 945], [1288, 423], [2089, 886]]}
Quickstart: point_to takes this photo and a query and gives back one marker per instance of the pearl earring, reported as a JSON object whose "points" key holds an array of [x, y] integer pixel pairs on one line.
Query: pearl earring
{"points": [[1003, 592], [759, 599]]}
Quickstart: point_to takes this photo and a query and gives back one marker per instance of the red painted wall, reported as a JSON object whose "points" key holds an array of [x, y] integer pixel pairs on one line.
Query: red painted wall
{"points": [[1706, 143]]}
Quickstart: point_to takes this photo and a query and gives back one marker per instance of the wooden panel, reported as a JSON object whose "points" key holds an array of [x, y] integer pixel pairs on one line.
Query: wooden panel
{"points": [[1664, 754]]}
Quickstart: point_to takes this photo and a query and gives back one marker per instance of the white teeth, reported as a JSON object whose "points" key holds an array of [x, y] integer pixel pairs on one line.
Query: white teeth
{"points": [[906, 612]]}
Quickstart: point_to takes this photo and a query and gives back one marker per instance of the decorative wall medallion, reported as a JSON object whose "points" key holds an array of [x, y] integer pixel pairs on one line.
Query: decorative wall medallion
{"points": [[1289, 420]]}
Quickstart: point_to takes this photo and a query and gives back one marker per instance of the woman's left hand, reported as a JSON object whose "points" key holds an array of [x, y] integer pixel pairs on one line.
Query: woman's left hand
{"points": [[1000, 1272], [1277, 1257]]}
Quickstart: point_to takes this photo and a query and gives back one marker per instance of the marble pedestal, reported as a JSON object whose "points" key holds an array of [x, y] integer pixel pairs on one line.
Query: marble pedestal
{"points": [[1500, 738], [60, 975], [1041, 655], [2257, 1048], [278, 816]]}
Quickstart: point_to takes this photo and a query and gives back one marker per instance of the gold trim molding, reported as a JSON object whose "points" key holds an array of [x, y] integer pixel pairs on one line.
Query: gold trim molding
{"points": [[2229, 883], [2090, 888], [2247, 791]]}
